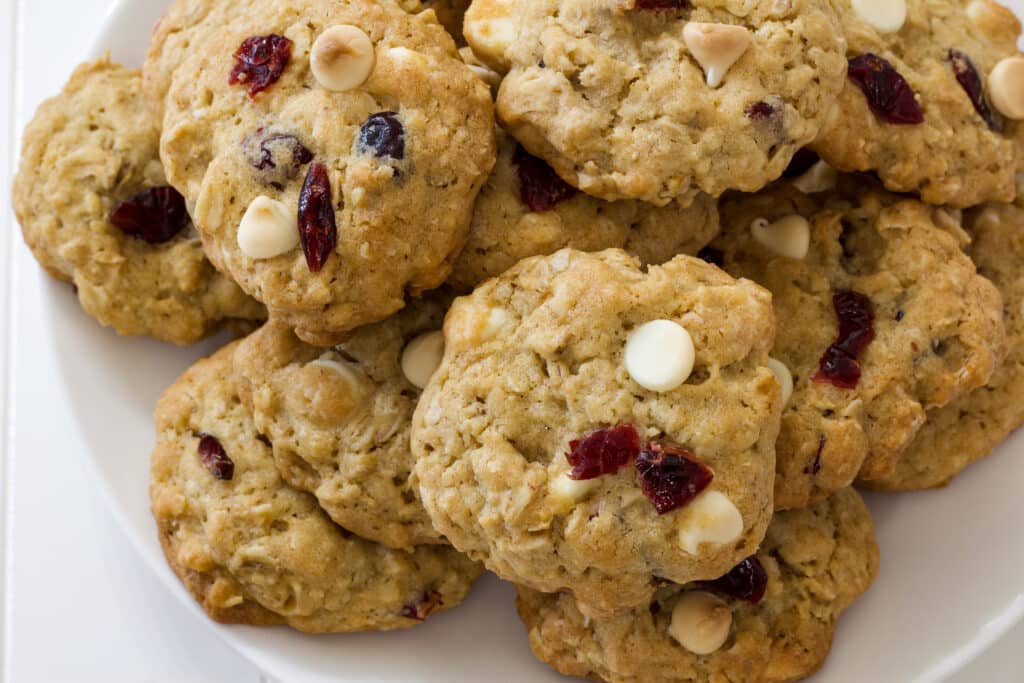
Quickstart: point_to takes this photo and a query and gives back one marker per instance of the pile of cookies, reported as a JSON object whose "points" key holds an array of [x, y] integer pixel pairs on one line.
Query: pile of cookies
{"points": [[617, 299]]}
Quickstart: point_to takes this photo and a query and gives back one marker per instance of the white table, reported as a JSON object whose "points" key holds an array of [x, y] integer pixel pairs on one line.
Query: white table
{"points": [[78, 604]]}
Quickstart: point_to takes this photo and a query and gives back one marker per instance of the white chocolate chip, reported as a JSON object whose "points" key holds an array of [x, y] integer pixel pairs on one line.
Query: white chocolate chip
{"points": [[784, 376], [716, 47], [570, 490], [421, 357], [710, 518], [818, 178], [267, 229], [1006, 87], [700, 622], [350, 374], [342, 58], [790, 236], [887, 16], [659, 355]]}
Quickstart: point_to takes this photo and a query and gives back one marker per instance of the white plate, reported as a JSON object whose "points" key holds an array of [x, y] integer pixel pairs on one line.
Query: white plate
{"points": [[952, 577]]}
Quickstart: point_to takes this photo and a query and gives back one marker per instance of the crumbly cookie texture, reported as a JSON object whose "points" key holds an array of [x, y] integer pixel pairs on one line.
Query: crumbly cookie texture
{"points": [[379, 175], [818, 561], [340, 419], [954, 156], [969, 428], [506, 230], [639, 100], [938, 330], [535, 360], [85, 151], [253, 550]]}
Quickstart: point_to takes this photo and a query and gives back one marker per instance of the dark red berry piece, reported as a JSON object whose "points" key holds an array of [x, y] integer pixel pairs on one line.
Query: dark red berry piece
{"points": [[603, 451], [382, 133], [215, 458], [540, 188], [155, 215], [277, 156], [260, 61], [967, 75], [317, 230], [838, 365], [759, 111], [671, 476], [426, 603], [746, 581], [889, 95], [661, 4], [802, 162]]}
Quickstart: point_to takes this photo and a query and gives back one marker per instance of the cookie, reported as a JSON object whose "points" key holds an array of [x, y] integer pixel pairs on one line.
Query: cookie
{"points": [[450, 13], [331, 152], [253, 550], [525, 209], [919, 326], [340, 418], [816, 560], [631, 99], [969, 428], [96, 211], [592, 424], [931, 124]]}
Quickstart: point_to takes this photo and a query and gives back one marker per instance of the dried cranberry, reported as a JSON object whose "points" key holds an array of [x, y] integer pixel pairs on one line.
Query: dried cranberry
{"points": [[802, 162], [746, 581], [759, 111], [155, 215], [278, 156], [838, 365], [603, 451], [260, 61], [889, 95], [712, 255], [426, 603], [967, 75], [383, 134], [317, 230], [671, 476], [215, 458], [540, 188], [661, 4]]}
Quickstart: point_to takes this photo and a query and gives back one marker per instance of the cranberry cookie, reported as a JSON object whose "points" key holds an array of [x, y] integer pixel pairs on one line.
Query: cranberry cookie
{"points": [[593, 425], [251, 549]]}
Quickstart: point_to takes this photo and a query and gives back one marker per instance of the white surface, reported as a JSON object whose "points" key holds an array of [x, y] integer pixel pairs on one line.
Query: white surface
{"points": [[80, 606]]}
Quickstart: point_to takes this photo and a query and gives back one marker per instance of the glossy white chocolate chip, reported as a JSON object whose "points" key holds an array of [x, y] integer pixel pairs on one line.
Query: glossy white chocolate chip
{"points": [[570, 489], [710, 518], [342, 58], [790, 236], [700, 622], [784, 376], [1006, 87], [421, 357], [887, 16], [818, 178], [349, 373], [716, 47], [659, 355], [267, 229]]}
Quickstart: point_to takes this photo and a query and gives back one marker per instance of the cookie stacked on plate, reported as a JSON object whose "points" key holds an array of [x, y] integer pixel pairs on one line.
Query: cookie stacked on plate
{"points": [[616, 299]]}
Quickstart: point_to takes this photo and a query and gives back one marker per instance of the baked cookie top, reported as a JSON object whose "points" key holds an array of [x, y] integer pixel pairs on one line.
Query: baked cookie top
{"points": [[253, 550], [96, 211], [969, 428], [526, 209], [593, 425], [331, 152], [813, 564], [880, 316], [657, 100], [340, 418], [919, 106]]}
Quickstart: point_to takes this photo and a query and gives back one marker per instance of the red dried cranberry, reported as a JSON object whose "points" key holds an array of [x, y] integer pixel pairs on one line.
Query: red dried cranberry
{"points": [[671, 476], [889, 95], [967, 75], [540, 188], [155, 216], [603, 451], [802, 162], [426, 603], [661, 4], [317, 230], [215, 458], [838, 365], [759, 111], [260, 61], [278, 156], [383, 134], [746, 581]]}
